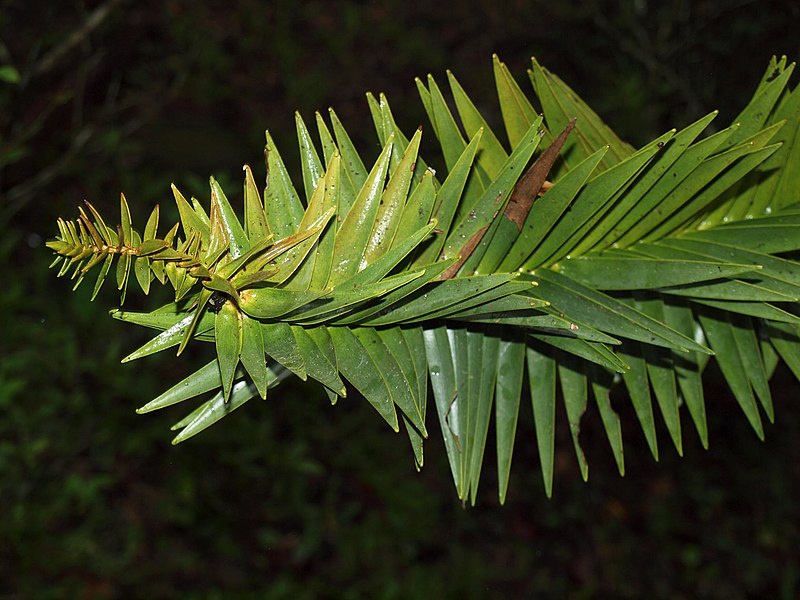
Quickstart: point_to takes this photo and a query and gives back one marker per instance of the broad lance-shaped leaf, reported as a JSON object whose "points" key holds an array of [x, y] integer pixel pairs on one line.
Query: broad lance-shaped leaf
{"points": [[517, 111], [201, 381], [637, 382], [607, 314], [561, 104], [253, 354], [574, 391], [606, 272], [256, 226], [722, 340], [228, 336], [353, 234], [171, 336], [601, 388], [391, 206], [215, 409], [445, 392], [309, 159], [447, 201], [508, 390]]}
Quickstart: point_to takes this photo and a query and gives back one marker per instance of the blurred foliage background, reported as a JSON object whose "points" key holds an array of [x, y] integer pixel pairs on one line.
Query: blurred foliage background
{"points": [[292, 498]]}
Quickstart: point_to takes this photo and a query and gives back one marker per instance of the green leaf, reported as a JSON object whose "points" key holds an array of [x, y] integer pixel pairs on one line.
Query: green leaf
{"points": [[318, 354], [280, 345], [722, 339], [217, 408], [228, 337], [253, 354], [203, 380], [607, 314], [518, 114], [508, 391], [607, 272], [353, 234], [309, 159], [542, 379], [256, 226], [574, 391], [445, 392], [281, 202], [445, 294], [447, 201], [590, 204], [561, 104], [601, 388]]}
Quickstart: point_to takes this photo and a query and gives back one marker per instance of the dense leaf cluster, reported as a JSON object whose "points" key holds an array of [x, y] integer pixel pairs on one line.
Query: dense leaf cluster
{"points": [[572, 262]]}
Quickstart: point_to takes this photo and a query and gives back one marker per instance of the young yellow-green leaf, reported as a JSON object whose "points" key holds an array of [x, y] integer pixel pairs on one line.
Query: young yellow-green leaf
{"points": [[170, 337], [281, 203], [390, 208], [323, 252], [326, 139], [354, 232], [447, 201], [126, 238], [417, 211], [273, 302], [234, 232], [255, 219], [469, 238], [518, 113], [354, 173], [309, 159], [190, 221], [491, 155], [561, 104]]}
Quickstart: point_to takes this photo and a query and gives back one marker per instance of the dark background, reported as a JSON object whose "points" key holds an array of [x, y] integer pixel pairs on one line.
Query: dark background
{"points": [[292, 498]]}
